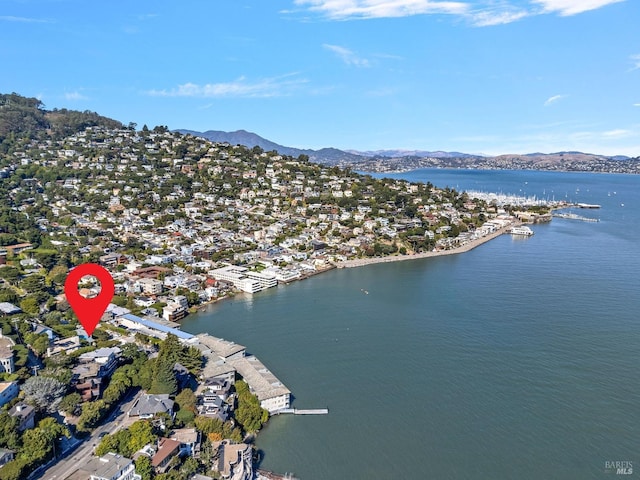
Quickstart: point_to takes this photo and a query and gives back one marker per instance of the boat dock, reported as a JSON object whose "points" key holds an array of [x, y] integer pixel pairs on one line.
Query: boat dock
{"points": [[573, 216], [268, 475], [300, 411]]}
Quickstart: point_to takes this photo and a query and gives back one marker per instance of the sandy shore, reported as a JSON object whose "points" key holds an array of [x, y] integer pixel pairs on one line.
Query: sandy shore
{"points": [[360, 262]]}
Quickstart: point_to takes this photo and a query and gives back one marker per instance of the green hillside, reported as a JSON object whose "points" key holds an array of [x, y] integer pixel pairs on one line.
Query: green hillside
{"points": [[23, 117]]}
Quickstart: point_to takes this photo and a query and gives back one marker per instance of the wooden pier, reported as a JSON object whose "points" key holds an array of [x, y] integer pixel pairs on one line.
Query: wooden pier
{"points": [[300, 411], [573, 216]]}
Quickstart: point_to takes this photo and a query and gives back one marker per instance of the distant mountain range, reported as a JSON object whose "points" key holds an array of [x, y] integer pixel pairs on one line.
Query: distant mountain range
{"points": [[412, 153], [393, 160], [324, 155], [23, 117], [331, 156]]}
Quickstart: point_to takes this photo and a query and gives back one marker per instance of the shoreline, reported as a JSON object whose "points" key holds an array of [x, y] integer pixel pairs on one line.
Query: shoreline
{"points": [[266, 475], [361, 262]]}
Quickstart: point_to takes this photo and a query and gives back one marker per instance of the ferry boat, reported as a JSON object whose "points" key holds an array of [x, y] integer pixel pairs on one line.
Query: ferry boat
{"points": [[588, 205], [521, 230]]}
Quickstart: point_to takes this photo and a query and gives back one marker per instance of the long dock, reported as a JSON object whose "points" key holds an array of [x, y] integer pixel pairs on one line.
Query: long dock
{"points": [[573, 216], [300, 411]]}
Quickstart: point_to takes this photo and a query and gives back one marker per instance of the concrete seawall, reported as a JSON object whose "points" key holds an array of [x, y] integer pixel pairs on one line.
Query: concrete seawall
{"points": [[360, 262]]}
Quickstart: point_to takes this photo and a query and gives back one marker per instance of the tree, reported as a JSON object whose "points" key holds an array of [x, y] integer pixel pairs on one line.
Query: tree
{"points": [[190, 467], [144, 467], [249, 412], [14, 470], [10, 274], [30, 305], [33, 284], [92, 413], [47, 258], [70, 403], [171, 348], [44, 393], [110, 443], [131, 351], [191, 358], [36, 447], [39, 343], [141, 434], [8, 295], [186, 401], [164, 378], [51, 431], [9, 436], [58, 274], [146, 374]]}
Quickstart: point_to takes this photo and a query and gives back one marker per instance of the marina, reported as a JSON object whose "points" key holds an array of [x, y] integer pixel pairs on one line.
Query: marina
{"points": [[498, 397]]}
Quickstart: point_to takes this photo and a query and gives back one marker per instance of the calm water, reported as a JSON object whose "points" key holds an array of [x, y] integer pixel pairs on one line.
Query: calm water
{"points": [[518, 359]]}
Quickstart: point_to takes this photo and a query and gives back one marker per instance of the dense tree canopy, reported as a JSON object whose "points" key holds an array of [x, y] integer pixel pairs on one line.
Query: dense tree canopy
{"points": [[44, 393]]}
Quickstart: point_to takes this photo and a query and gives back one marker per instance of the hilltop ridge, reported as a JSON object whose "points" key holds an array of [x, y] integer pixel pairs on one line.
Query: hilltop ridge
{"points": [[399, 160], [27, 117], [23, 117]]}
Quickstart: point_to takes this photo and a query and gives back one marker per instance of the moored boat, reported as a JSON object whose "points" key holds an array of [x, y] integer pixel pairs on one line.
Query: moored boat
{"points": [[521, 230]]}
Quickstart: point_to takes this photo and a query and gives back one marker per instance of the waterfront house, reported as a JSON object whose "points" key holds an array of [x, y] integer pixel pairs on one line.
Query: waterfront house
{"points": [[271, 392], [233, 461], [211, 405]]}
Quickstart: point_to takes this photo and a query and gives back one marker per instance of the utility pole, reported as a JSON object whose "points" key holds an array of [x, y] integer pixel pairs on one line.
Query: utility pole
{"points": [[15, 326]]}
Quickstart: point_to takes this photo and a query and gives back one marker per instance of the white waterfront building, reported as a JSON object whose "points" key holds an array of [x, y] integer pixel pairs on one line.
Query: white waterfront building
{"points": [[244, 279]]}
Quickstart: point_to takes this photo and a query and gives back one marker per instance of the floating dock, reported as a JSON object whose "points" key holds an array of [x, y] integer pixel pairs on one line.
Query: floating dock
{"points": [[573, 216], [300, 411]]}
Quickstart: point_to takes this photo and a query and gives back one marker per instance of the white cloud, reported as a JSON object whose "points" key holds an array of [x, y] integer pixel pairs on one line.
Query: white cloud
{"points": [[618, 133], [554, 99], [573, 7], [636, 104], [9, 18], [74, 96], [267, 87], [635, 59], [348, 56], [480, 13], [348, 9], [487, 18]]}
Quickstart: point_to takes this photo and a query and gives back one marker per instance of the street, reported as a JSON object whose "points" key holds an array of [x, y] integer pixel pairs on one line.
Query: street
{"points": [[79, 451]]}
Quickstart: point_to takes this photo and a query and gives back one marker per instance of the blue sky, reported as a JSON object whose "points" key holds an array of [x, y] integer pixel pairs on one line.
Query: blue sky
{"points": [[477, 76]]}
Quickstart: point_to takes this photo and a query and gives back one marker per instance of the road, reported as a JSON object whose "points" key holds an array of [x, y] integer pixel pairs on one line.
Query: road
{"points": [[79, 451]]}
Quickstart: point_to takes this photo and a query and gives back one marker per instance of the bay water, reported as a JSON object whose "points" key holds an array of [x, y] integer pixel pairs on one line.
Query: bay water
{"points": [[518, 359]]}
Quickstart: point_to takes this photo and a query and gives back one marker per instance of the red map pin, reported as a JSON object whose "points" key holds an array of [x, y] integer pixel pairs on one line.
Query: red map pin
{"points": [[89, 310]]}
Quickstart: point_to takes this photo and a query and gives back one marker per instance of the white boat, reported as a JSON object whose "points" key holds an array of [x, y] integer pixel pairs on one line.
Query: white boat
{"points": [[521, 230]]}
